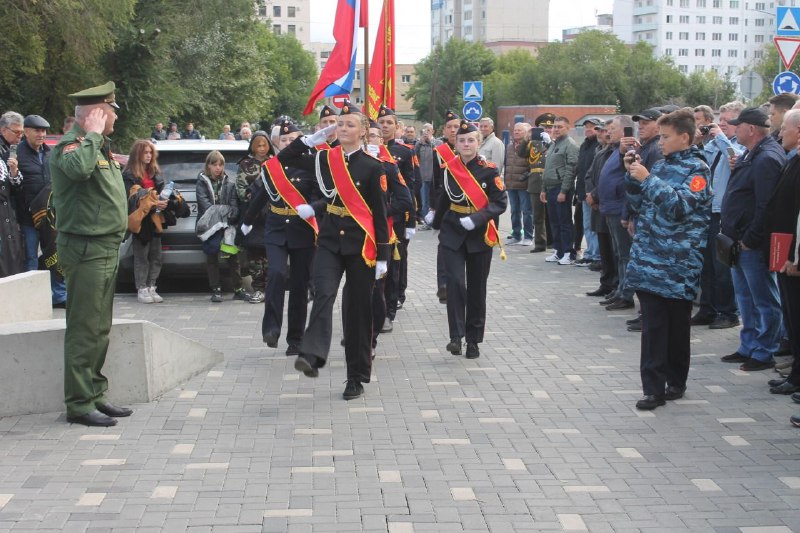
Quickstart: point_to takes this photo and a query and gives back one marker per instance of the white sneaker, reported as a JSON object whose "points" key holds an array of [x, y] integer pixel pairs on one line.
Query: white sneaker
{"points": [[566, 260], [156, 297], [513, 242], [552, 258], [144, 296], [526, 242]]}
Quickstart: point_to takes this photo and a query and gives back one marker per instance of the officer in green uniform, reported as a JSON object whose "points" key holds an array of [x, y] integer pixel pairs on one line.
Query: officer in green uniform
{"points": [[91, 216]]}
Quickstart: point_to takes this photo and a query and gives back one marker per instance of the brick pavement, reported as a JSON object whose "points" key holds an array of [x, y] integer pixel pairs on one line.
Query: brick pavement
{"points": [[539, 434]]}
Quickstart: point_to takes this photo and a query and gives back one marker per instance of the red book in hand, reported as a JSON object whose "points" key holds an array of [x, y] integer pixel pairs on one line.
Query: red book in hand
{"points": [[779, 244]]}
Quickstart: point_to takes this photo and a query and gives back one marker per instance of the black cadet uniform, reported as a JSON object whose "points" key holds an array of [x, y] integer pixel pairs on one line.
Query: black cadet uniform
{"points": [[286, 237], [466, 252], [340, 244]]}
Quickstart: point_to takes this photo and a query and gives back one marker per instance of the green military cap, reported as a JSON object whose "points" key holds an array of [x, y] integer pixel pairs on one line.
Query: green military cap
{"points": [[102, 94]]}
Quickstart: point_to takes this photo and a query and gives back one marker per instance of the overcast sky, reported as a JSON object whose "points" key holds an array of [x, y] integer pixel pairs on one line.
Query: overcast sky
{"points": [[413, 20]]}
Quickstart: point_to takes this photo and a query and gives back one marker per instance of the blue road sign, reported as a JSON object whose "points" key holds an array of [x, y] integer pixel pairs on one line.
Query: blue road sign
{"points": [[786, 82], [473, 91], [472, 111], [788, 22]]}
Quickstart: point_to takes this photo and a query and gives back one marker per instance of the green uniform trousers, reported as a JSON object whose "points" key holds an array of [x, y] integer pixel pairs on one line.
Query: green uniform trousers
{"points": [[90, 269]]}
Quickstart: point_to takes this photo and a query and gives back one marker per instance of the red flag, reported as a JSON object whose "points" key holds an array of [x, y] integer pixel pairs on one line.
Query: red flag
{"points": [[340, 70], [382, 70], [363, 19]]}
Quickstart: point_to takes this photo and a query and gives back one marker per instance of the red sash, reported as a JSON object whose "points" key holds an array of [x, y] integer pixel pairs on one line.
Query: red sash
{"points": [[354, 202], [288, 192], [323, 146], [474, 192], [445, 153], [384, 154]]}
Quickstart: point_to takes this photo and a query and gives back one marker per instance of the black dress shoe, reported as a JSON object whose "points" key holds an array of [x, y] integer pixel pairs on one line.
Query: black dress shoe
{"points": [[754, 365], [441, 293], [634, 321], [60, 305], [292, 349], [399, 305], [785, 388], [724, 322], [602, 291], [596, 266], [701, 319], [735, 357], [388, 326], [674, 393], [619, 305], [608, 301], [776, 382], [536, 250], [271, 339], [454, 346], [109, 409], [92, 418], [784, 348], [795, 421], [353, 390], [796, 397], [648, 403], [472, 350], [636, 327], [307, 365]]}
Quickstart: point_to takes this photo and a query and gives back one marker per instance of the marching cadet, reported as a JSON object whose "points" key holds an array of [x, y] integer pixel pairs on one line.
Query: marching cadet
{"points": [[327, 117], [474, 197], [92, 206], [402, 156], [292, 200], [444, 152], [353, 239]]}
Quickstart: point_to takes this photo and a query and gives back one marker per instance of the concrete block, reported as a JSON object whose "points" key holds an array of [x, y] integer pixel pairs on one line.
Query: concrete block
{"points": [[144, 361], [26, 296]]}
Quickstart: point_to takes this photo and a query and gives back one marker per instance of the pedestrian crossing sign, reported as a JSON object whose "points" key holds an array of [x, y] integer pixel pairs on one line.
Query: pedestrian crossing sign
{"points": [[473, 91], [788, 22]]}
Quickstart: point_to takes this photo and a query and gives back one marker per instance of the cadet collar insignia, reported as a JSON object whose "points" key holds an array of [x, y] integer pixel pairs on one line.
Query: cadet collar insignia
{"points": [[483, 184], [384, 185], [697, 184], [499, 183]]}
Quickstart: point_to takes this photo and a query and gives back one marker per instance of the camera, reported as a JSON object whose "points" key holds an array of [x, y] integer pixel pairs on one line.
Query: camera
{"points": [[705, 129]]}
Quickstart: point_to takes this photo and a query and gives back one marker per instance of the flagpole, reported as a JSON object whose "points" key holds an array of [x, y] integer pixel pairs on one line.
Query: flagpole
{"points": [[365, 78]]}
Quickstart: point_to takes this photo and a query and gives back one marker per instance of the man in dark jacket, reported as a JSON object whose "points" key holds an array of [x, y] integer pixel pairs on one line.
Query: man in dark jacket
{"points": [[605, 248], [583, 214], [744, 207], [33, 156]]}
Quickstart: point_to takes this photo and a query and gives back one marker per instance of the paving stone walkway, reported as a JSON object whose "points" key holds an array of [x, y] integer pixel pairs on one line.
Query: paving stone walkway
{"points": [[538, 434]]}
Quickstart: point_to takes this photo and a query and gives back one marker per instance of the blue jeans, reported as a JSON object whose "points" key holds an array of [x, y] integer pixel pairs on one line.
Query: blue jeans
{"points": [[560, 215], [521, 214], [57, 287], [592, 250], [424, 192], [756, 291]]}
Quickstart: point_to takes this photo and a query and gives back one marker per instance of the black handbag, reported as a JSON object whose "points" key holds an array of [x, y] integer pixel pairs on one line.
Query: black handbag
{"points": [[727, 249]]}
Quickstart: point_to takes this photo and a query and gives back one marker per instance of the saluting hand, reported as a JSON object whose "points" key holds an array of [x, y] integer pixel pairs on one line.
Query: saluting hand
{"points": [[96, 121]]}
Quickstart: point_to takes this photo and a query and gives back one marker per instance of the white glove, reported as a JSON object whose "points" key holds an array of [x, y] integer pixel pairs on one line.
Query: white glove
{"points": [[305, 211], [319, 137], [467, 223], [381, 268], [410, 233], [373, 150], [546, 138], [246, 229], [429, 218]]}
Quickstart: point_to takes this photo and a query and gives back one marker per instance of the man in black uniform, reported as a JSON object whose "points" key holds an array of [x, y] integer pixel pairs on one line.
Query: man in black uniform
{"points": [[467, 215], [451, 125], [327, 117], [404, 223], [290, 232], [353, 239]]}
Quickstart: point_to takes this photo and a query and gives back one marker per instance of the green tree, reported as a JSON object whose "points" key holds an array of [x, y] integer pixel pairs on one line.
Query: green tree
{"points": [[439, 77]]}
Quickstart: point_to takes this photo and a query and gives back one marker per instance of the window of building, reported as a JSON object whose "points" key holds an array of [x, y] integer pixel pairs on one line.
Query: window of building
{"points": [[683, 36], [405, 78], [291, 29], [700, 36], [758, 54], [761, 6], [733, 21], [668, 36], [684, 3], [734, 4], [684, 19], [716, 52], [683, 52], [717, 20], [649, 36], [325, 54], [290, 11], [669, 3], [683, 69], [759, 38], [716, 36], [467, 15], [669, 19], [276, 11], [716, 3], [699, 52], [733, 36], [668, 52], [758, 22], [262, 11], [276, 29], [699, 68], [701, 3], [733, 53], [701, 19]]}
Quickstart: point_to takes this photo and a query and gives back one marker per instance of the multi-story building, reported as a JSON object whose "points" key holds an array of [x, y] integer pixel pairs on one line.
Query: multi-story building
{"points": [[287, 16], [500, 24], [605, 22], [727, 36]]}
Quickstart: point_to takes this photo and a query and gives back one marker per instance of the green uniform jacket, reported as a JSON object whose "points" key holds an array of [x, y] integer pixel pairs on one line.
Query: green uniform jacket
{"points": [[88, 191]]}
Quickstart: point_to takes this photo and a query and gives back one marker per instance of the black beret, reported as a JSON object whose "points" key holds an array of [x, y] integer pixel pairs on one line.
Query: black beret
{"points": [[466, 127]]}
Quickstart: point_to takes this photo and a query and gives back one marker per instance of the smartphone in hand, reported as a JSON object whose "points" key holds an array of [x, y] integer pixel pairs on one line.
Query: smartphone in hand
{"points": [[627, 131], [536, 134]]}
